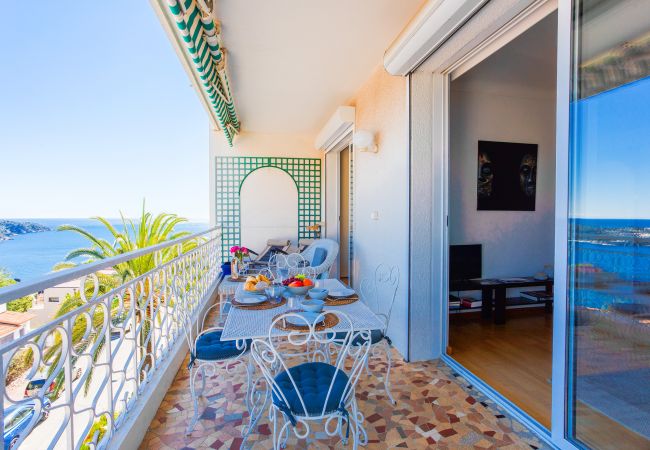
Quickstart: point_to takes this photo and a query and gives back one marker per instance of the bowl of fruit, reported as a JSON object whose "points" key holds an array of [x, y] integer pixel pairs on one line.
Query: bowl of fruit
{"points": [[298, 285]]}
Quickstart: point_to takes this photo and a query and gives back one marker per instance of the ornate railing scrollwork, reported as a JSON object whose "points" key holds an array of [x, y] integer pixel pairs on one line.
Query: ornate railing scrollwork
{"points": [[73, 382]]}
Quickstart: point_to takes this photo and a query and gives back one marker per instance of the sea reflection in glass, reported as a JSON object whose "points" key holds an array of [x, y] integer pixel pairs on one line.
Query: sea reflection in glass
{"points": [[609, 242]]}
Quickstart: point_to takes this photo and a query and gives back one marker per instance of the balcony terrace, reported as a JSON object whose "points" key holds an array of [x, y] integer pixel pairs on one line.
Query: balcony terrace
{"points": [[124, 382], [435, 408]]}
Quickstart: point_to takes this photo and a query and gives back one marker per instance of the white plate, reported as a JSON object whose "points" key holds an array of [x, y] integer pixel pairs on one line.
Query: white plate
{"points": [[251, 299], [309, 317], [345, 292]]}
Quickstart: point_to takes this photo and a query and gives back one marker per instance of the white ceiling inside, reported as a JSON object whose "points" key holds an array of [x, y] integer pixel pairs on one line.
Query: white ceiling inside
{"points": [[292, 62], [526, 64]]}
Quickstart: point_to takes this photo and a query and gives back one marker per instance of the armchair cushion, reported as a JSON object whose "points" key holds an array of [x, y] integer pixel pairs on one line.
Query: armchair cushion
{"points": [[320, 255], [313, 382], [210, 347]]}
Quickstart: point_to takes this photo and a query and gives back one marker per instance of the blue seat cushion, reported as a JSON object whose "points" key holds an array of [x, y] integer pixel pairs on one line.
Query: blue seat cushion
{"points": [[375, 336], [210, 347], [320, 255], [313, 380]]}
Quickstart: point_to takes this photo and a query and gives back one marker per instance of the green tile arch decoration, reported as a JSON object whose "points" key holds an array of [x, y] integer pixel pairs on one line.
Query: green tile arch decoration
{"points": [[231, 171]]}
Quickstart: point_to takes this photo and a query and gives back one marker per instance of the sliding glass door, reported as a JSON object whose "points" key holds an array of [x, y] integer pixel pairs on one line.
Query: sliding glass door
{"points": [[608, 396]]}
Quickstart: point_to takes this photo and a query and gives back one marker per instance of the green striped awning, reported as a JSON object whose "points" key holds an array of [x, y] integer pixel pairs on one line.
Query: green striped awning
{"points": [[201, 35]]}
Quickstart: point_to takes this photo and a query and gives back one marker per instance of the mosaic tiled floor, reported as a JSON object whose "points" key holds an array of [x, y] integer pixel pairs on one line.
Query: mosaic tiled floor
{"points": [[435, 409]]}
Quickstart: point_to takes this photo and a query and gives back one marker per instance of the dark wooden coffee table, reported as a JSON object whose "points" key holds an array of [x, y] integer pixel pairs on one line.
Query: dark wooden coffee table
{"points": [[493, 293]]}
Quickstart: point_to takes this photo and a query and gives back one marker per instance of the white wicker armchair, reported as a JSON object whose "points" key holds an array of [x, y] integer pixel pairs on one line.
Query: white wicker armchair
{"points": [[322, 268]]}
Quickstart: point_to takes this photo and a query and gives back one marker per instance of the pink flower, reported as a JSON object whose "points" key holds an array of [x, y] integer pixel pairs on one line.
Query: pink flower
{"points": [[244, 250], [234, 249]]}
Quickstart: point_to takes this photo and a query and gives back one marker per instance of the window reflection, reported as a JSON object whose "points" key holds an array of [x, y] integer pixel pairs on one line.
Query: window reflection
{"points": [[609, 295]]}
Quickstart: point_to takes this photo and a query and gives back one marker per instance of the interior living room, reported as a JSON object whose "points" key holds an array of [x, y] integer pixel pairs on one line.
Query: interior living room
{"points": [[501, 219]]}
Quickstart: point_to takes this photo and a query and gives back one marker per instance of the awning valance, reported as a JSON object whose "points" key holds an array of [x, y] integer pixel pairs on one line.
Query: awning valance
{"points": [[201, 36]]}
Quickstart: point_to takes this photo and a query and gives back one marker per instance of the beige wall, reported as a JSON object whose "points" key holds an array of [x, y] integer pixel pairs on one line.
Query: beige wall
{"points": [[264, 144], [381, 185]]}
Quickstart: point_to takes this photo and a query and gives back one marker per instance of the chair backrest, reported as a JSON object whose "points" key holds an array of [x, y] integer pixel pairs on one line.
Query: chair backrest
{"points": [[285, 266], [379, 291], [304, 243], [280, 352], [331, 249]]}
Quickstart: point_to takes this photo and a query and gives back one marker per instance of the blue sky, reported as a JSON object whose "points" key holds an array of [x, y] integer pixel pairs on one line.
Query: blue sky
{"points": [[97, 113], [613, 172]]}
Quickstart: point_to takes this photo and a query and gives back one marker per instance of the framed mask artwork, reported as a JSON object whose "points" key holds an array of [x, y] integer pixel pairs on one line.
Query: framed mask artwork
{"points": [[507, 176]]}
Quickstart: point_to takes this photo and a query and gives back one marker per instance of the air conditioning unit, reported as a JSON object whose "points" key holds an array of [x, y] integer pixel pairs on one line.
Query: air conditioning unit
{"points": [[340, 124]]}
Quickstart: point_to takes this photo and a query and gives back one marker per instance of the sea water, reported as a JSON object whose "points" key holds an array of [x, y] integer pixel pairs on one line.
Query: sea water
{"points": [[611, 261], [29, 256]]}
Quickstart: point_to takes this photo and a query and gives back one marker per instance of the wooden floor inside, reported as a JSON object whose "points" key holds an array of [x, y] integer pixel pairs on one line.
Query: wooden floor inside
{"points": [[515, 358]]}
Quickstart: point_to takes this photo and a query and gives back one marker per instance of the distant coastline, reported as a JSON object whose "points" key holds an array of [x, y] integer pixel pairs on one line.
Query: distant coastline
{"points": [[11, 228], [34, 254]]}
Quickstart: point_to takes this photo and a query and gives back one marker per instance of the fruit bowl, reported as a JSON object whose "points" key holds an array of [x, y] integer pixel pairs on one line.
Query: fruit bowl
{"points": [[299, 290], [298, 285]]}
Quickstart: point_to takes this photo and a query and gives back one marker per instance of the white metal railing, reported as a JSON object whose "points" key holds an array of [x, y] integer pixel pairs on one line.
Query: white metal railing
{"points": [[97, 359]]}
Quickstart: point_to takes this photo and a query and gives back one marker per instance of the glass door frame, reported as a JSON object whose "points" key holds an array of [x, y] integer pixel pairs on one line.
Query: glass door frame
{"points": [[557, 436]]}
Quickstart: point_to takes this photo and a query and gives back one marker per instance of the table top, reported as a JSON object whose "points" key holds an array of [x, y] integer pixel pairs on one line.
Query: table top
{"points": [[250, 324], [490, 283]]}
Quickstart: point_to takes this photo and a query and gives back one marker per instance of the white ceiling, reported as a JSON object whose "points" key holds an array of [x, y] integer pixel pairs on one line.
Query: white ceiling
{"points": [[526, 64], [292, 62]]}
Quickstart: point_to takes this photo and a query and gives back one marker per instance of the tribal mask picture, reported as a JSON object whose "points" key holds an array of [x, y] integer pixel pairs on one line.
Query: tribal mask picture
{"points": [[506, 176]]}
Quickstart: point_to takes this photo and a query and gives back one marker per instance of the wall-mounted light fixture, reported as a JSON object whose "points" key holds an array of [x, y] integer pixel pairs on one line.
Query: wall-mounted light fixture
{"points": [[364, 141]]}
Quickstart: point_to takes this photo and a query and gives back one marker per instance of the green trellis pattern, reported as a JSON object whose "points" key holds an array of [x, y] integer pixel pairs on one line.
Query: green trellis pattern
{"points": [[231, 171]]}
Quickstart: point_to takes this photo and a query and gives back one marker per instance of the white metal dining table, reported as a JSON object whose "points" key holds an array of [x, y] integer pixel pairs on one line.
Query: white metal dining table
{"points": [[250, 324]]}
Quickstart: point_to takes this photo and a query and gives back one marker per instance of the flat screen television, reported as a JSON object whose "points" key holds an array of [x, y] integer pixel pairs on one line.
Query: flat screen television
{"points": [[465, 262]]}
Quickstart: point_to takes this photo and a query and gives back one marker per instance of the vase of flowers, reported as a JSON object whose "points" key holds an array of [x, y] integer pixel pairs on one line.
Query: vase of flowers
{"points": [[237, 263]]}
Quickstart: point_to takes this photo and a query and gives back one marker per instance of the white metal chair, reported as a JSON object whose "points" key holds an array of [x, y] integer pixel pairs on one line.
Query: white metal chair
{"points": [[308, 388], [379, 293], [208, 353], [285, 266], [321, 254]]}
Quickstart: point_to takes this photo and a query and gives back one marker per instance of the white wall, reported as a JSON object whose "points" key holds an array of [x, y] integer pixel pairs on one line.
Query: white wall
{"points": [[515, 243], [381, 184], [259, 144], [265, 216]]}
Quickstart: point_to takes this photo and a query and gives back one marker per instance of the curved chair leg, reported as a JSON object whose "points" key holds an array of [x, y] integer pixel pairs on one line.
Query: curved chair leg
{"points": [[249, 383], [257, 398], [354, 425], [195, 400], [285, 432], [274, 420], [389, 360], [203, 377], [357, 422]]}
